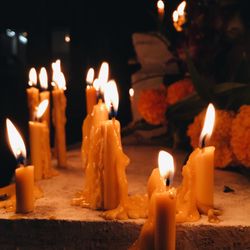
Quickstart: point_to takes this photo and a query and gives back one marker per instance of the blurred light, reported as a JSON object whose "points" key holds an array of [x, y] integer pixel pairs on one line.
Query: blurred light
{"points": [[10, 33], [22, 39], [67, 38]]}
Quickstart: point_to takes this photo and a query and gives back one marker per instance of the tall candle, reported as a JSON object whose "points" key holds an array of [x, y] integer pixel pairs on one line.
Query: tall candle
{"points": [[59, 117], [24, 175], [204, 164], [165, 206], [90, 91], [40, 144], [45, 95], [32, 93]]}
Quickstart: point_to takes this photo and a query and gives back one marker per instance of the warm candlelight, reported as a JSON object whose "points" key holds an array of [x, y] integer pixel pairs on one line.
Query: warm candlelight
{"points": [[32, 93], [160, 9], [59, 117], [102, 79], [45, 94], [204, 164], [24, 175], [165, 206], [131, 95], [40, 144], [181, 8], [90, 91], [175, 16]]}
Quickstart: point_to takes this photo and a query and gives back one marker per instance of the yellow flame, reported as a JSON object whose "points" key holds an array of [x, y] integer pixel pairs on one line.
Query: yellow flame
{"points": [[181, 8], [56, 67], [131, 92], [32, 77], [43, 78], [41, 108], [15, 140], [90, 76], [208, 123], [111, 96], [175, 16], [103, 75], [160, 5], [165, 164]]}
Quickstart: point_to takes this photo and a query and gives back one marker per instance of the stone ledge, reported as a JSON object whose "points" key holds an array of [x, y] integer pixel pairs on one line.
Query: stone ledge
{"points": [[55, 224]]}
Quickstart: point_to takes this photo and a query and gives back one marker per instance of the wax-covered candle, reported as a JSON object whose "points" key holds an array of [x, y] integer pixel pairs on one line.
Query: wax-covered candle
{"points": [[24, 175], [58, 114], [40, 144]]}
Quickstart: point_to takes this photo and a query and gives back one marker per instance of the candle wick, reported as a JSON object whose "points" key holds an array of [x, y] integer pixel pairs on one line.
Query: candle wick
{"points": [[203, 141], [21, 159], [112, 113], [167, 181]]}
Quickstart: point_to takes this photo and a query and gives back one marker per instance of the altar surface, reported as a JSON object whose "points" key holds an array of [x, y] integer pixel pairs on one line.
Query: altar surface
{"points": [[55, 224]]}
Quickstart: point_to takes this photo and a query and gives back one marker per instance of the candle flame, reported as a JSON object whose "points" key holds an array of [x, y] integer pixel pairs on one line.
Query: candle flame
{"points": [[165, 164], [32, 77], [15, 140], [103, 76], [58, 76], [160, 4], [131, 92], [111, 96], [181, 8], [43, 78], [90, 76], [42, 108], [208, 123], [175, 16]]}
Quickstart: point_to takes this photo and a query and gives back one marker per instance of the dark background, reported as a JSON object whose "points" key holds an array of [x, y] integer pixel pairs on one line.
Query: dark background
{"points": [[99, 30]]}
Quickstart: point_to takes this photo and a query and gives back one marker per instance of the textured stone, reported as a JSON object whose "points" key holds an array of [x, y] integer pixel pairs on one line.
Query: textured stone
{"points": [[55, 224]]}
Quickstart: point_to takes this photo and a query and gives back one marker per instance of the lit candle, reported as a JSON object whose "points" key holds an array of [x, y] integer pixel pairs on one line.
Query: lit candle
{"points": [[160, 9], [102, 79], [32, 93], [40, 144], [58, 114], [114, 177], [131, 95], [159, 230], [90, 91], [45, 94], [204, 164], [165, 206], [24, 175]]}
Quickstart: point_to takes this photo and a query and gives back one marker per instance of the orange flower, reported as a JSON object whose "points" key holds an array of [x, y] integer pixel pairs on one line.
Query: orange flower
{"points": [[240, 141], [179, 90], [152, 105], [220, 138]]}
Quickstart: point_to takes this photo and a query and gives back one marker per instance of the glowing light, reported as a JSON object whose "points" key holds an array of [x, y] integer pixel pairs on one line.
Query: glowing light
{"points": [[208, 123], [67, 38], [160, 5], [41, 108], [111, 96], [131, 92], [90, 76], [32, 77], [15, 140], [181, 8], [175, 16], [10, 33], [103, 76], [43, 78], [23, 39], [165, 164]]}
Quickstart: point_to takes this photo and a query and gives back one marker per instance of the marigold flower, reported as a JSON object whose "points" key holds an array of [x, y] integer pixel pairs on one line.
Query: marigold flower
{"points": [[152, 105], [220, 138], [240, 139], [179, 90]]}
